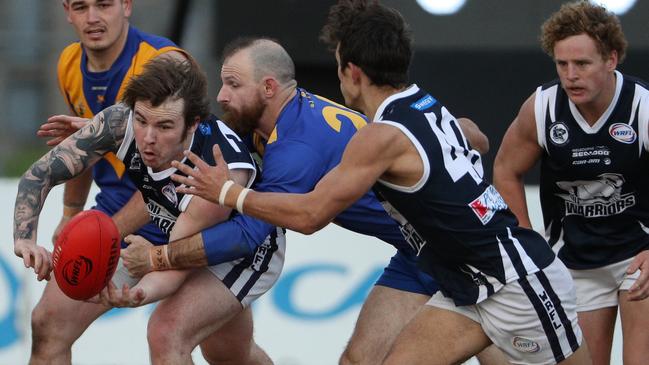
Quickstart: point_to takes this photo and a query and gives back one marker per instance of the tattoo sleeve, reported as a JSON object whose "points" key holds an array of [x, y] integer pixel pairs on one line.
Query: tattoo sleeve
{"points": [[70, 158]]}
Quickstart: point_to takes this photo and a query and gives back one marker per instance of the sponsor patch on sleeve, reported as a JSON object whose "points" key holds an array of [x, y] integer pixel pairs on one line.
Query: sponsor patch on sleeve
{"points": [[424, 103], [487, 204]]}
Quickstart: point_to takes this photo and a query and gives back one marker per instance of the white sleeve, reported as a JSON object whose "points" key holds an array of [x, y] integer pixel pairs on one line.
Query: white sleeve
{"points": [[128, 138]]}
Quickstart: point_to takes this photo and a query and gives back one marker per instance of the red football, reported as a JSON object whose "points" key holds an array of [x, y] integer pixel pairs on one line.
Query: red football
{"points": [[85, 254]]}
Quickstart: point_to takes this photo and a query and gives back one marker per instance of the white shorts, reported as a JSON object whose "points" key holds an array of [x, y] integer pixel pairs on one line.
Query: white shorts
{"points": [[247, 278], [121, 276], [599, 288], [532, 320]]}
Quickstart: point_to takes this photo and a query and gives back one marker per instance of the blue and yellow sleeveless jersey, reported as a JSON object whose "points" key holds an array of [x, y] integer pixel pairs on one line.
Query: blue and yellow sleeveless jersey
{"points": [[87, 93], [308, 141]]}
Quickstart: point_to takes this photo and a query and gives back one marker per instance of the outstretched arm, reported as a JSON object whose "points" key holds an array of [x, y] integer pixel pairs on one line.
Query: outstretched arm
{"points": [[371, 152], [187, 249], [157, 285], [60, 127], [75, 192], [518, 153], [71, 157], [151, 288]]}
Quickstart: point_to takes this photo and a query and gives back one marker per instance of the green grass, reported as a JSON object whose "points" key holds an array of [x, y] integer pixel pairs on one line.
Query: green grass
{"points": [[20, 159]]}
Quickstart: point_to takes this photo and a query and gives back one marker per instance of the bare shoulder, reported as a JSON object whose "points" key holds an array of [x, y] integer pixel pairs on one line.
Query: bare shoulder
{"points": [[521, 134], [380, 135], [377, 142], [380, 131], [526, 113], [115, 119], [523, 128], [106, 130]]}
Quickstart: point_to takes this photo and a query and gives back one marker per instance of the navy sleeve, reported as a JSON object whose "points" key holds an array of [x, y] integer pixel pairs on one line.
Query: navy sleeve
{"points": [[288, 167]]}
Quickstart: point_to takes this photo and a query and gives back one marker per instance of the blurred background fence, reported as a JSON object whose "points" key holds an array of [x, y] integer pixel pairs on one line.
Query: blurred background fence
{"points": [[482, 61]]}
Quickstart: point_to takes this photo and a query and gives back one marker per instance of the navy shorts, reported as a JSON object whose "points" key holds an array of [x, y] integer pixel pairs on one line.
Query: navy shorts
{"points": [[403, 274]]}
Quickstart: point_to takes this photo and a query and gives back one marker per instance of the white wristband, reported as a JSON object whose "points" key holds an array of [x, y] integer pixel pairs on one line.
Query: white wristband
{"points": [[224, 191], [241, 198]]}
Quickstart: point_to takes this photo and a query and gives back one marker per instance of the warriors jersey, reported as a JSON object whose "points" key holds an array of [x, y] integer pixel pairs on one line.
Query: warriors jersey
{"points": [[159, 191], [469, 240], [87, 93], [594, 179], [309, 138]]}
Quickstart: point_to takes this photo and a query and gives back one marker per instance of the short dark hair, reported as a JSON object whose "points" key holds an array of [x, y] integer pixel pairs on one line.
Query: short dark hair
{"points": [[373, 37], [583, 17], [165, 77]]}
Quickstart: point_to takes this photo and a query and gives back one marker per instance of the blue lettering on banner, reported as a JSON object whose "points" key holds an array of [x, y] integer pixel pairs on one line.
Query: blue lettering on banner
{"points": [[282, 296], [8, 330], [283, 293]]}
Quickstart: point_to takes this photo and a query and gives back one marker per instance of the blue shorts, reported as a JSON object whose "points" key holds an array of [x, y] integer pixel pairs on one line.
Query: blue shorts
{"points": [[149, 231], [402, 273]]}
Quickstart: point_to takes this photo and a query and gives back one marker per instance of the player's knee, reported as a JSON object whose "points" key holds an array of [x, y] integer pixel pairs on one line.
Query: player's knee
{"points": [[42, 323], [226, 357], [351, 357], [45, 336], [39, 320], [162, 335], [227, 352]]}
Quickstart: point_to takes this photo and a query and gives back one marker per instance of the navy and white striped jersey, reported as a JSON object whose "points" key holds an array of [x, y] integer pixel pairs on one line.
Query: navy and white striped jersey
{"points": [[468, 239], [595, 179], [159, 191]]}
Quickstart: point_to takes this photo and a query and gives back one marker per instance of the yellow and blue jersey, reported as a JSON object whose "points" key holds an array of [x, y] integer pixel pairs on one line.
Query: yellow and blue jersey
{"points": [[308, 141], [87, 93]]}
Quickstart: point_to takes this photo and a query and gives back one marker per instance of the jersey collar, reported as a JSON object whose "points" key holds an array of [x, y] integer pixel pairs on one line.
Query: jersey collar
{"points": [[411, 90]]}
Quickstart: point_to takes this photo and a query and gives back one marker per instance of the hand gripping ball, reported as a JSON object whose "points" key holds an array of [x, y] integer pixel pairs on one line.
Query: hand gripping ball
{"points": [[86, 254]]}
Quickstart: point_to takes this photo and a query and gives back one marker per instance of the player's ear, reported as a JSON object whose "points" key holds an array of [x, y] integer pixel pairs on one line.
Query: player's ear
{"points": [[66, 7], [270, 86], [128, 7], [611, 60], [194, 126], [355, 72]]}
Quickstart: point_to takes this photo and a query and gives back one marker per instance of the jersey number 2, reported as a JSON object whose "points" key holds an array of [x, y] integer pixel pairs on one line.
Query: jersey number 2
{"points": [[331, 114]]}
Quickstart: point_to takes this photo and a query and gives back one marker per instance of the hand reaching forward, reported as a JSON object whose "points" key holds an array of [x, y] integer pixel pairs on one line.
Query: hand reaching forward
{"points": [[34, 256], [112, 296], [136, 256], [60, 127], [204, 180], [640, 289]]}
